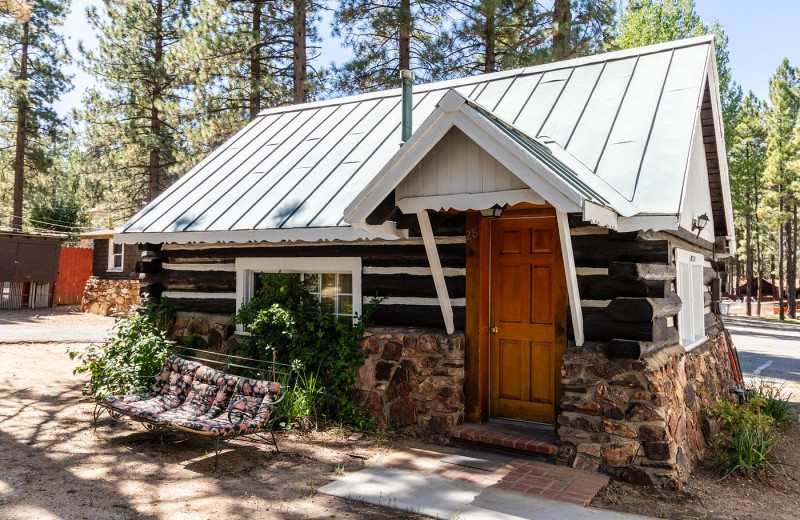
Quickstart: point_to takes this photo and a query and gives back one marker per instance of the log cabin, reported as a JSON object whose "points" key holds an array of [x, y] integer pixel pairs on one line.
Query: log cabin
{"points": [[545, 242]]}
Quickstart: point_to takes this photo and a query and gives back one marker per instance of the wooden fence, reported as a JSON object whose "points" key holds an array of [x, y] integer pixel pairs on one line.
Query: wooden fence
{"points": [[74, 268]]}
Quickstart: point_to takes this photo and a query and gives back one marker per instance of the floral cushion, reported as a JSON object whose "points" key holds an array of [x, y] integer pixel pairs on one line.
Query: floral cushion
{"points": [[169, 389], [248, 410], [207, 398]]}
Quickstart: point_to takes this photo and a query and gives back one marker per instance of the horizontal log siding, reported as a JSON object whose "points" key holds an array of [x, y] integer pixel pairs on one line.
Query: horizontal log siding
{"points": [[636, 267], [210, 271]]}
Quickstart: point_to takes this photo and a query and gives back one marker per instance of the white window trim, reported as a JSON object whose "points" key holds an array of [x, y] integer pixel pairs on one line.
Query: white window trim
{"points": [[247, 267], [111, 257], [695, 260]]}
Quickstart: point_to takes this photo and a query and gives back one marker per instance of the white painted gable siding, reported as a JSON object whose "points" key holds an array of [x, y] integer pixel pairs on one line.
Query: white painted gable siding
{"points": [[457, 165]]}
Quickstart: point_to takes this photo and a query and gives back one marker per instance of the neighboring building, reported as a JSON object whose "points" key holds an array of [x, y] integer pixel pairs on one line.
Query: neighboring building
{"points": [[113, 288], [543, 242], [28, 269]]}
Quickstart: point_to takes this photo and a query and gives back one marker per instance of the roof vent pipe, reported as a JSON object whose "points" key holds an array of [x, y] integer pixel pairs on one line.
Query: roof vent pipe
{"points": [[407, 77]]}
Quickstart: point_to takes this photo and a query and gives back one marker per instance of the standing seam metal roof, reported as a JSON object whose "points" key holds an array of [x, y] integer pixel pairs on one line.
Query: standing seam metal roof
{"points": [[627, 116]]}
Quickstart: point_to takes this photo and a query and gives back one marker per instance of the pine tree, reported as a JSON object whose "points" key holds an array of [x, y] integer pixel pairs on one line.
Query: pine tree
{"points": [[746, 167], [580, 27], [32, 54], [388, 36], [243, 56], [489, 36], [132, 121], [781, 178]]}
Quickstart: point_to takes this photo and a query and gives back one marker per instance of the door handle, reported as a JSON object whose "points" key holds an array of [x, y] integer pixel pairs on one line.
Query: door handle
{"points": [[495, 330]]}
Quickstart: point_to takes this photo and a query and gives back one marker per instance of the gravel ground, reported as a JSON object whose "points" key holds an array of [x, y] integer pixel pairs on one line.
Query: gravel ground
{"points": [[62, 324]]}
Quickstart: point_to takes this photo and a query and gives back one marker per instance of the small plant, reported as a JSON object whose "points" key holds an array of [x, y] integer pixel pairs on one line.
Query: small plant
{"points": [[301, 405], [772, 400], [338, 469], [748, 437], [137, 348]]}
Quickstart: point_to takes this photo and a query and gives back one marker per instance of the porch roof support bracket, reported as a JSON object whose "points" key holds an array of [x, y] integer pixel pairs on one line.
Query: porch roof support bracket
{"points": [[436, 269], [572, 277]]}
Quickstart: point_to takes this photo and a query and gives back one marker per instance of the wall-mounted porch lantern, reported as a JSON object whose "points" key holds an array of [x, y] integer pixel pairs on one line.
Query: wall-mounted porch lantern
{"points": [[700, 223], [493, 212]]}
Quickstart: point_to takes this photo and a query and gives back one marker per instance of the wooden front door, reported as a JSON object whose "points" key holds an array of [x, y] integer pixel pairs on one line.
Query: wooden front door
{"points": [[527, 318]]}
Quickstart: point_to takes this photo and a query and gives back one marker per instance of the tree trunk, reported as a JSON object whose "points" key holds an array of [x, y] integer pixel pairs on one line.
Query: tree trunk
{"points": [[760, 270], [490, 64], [22, 135], [254, 105], [562, 16], [154, 168], [791, 264], [404, 33], [780, 262], [749, 261], [299, 46]]}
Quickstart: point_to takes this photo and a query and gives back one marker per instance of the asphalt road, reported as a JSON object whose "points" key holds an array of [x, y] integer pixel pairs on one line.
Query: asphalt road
{"points": [[768, 349]]}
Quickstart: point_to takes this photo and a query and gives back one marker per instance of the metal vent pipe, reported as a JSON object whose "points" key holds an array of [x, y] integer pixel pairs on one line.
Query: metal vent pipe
{"points": [[407, 77]]}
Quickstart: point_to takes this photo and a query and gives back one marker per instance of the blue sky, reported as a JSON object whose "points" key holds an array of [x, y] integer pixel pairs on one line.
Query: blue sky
{"points": [[761, 34]]}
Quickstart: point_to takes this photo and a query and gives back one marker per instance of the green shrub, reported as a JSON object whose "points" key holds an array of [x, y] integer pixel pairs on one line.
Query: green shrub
{"points": [[772, 401], [302, 401], [286, 319], [748, 435], [136, 349]]}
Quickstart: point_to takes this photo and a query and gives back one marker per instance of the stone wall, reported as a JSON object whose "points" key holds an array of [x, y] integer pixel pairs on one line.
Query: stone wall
{"points": [[641, 420], [412, 381], [202, 330], [110, 297]]}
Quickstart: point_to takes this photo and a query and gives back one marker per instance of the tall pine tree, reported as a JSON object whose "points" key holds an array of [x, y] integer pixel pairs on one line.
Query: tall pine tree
{"points": [[388, 36], [781, 177], [32, 54], [132, 119]]}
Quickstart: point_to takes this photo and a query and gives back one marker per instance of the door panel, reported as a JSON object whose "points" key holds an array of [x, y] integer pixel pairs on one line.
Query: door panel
{"points": [[526, 277]]}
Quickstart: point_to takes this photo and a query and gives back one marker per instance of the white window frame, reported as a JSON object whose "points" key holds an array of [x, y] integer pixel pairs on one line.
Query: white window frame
{"points": [[111, 256], [689, 286], [247, 267]]}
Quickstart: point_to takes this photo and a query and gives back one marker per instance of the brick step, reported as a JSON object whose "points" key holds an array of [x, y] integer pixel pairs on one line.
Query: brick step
{"points": [[522, 438]]}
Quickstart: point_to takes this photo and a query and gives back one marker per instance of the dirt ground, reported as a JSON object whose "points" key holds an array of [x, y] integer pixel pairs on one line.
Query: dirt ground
{"points": [[709, 497], [53, 465]]}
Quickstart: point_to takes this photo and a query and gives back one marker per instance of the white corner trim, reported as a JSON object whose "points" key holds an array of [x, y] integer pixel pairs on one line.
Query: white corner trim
{"points": [[572, 278], [436, 270], [468, 201], [599, 215]]}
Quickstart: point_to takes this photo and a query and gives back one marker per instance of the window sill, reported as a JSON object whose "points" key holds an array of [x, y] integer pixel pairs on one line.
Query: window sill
{"points": [[694, 343], [114, 270]]}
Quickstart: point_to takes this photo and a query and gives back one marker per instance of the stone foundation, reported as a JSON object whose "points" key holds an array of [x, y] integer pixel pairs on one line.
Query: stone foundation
{"points": [[412, 381], [108, 297], [641, 420], [212, 331]]}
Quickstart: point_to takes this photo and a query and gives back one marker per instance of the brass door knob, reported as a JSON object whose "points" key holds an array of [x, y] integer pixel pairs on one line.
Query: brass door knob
{"points": [[495, 330]]}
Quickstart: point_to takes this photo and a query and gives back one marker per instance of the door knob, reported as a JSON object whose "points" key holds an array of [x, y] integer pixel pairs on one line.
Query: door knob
{"points": [[495, 330]]}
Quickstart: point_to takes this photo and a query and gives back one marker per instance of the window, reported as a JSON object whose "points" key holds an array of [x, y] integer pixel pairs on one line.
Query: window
{"points": [[336, 282], [115, 255], [691, 318]]}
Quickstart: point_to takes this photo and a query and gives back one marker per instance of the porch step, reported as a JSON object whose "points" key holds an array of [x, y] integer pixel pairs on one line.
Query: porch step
{"points": [[509, 435]]}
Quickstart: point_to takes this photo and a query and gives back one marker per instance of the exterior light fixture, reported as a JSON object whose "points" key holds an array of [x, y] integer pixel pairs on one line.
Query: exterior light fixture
{"points": [[493, 212], [700, 223]]}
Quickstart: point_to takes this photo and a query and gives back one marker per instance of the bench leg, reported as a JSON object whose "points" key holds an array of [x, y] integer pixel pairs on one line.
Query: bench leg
{"points": [[216, 452]]}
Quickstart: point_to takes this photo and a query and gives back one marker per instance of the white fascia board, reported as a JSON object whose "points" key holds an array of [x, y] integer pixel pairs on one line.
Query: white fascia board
{"points": [[468, 201], [600, 215], [719, 132], [645, 222], [345, 233]]}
